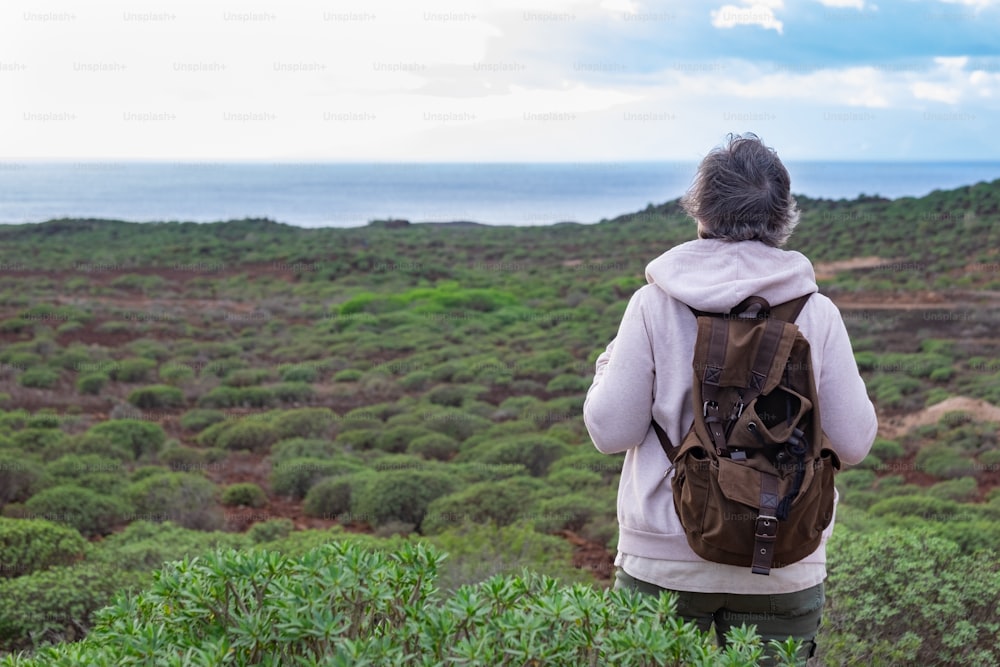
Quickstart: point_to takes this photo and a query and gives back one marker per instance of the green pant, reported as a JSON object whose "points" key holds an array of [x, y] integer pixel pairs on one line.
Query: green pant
{"points": [[776, 616]]}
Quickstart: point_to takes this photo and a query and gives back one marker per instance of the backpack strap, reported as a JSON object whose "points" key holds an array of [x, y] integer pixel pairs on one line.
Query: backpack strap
{"points": [[668, 448], [789, 311], [766, 527]]}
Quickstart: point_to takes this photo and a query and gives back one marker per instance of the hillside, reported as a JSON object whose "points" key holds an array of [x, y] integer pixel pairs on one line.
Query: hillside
{"points": [[254, 378]]}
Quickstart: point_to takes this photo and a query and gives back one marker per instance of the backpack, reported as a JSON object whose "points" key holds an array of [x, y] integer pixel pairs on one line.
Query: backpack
{"points": [[753, 483]]}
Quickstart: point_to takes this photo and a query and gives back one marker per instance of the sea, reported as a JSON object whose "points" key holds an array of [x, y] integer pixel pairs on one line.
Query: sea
{"points": [[353, 194]]}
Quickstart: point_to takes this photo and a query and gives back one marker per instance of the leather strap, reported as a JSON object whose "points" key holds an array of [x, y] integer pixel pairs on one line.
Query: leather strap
{"points": [[766, 527], [668, 447], [715, 362]]}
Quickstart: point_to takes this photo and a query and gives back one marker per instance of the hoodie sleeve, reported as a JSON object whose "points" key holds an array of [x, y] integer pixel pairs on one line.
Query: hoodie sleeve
{"points": [[848, 416], [618, 408]]}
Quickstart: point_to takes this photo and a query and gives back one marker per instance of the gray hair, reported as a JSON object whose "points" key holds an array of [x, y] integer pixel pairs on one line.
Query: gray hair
{"points": [[742, 192]]}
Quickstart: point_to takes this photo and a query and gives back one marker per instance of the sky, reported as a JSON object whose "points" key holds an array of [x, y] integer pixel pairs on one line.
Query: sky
{"points": [[497, 80]]}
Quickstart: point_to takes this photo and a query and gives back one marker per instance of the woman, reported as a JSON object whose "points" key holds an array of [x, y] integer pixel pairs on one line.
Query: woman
{"points": [[741, 200]]}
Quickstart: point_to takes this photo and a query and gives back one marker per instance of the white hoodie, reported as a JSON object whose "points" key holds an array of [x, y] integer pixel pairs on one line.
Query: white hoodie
{"points": [[646, 372]]}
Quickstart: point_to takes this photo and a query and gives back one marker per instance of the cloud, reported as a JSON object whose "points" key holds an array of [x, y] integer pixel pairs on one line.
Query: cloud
{"points": [[847, 4], [759, 12]]}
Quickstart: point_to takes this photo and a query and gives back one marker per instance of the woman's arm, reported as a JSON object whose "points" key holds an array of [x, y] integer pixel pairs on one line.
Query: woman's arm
{"points": [[617, 411]]}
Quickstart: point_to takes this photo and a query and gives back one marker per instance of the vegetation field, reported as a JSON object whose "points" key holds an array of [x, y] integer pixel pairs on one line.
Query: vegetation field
{"points": [[251, 402]]}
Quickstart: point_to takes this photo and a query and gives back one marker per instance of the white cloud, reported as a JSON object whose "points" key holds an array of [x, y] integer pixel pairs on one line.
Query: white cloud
{"points": [[978, 4], [759, 12], [847, 4]]}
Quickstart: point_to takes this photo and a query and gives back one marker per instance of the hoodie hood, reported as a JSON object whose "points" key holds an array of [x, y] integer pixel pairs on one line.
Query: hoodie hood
{"points": [[713, 275]]}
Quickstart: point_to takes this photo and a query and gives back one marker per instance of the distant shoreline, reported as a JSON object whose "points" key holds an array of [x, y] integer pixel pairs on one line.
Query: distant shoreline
{"points": [[345, 195]]}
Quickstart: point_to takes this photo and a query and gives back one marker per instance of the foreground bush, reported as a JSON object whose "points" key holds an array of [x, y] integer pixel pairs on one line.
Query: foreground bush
{"points": [[926, 602], [343, 605], [28, 545]]}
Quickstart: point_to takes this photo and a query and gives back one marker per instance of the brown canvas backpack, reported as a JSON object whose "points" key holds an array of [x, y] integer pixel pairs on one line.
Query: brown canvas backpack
{"points": [[753, 483]]}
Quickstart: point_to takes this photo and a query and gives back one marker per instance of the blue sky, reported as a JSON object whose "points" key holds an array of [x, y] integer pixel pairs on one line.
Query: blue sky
{"points": [[483, 80]]}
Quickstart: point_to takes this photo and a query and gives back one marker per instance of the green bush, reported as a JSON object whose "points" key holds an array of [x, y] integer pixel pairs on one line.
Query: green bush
{"points": [[183, 458], [20, 476], [131, 439], [89, 512], [295, 477], [270, 530], [91, 383], [923, 605], [175, 374], [372, 607], [536, 452], [963, 489], [244, 493], [199, 419], [29, 545], [330, 497], [39, 377], [293, 392], [887, 449], [187, 499], [299, 373], [401, 495], [397, 439], [98, 473], [297, 448], [305, 423], [246, 377], [944, 462], [501, 502], [255, 435], [135, 369], [157, 396], [455, 423], [433, 446], [348, 375]]}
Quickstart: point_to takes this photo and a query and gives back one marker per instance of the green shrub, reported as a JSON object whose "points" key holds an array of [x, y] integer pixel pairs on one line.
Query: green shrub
{"points": [[536, 452], [89, 512], [175, 374], [131, 439], [358, 439], [293, 392], [374, 607], [455, 423], [944, 462], [296, 448], [575, 479], [963, 489], [45, 442], [401, 495], [305, 423], [299, 373], [255, 435], [246, 377], [330, 497], [270, 530], [923, 605], [157, 396], [91, 471], [91, 383], [220, 397], [20, 476], [887, 449], [28, 545], [187, 499], [135, 369], [397, 439], [183, 458], [568, 383], [348, 375], [39, 377], [244, 493], [295, 477], [433, 446], [199, 419], [501, 502]]}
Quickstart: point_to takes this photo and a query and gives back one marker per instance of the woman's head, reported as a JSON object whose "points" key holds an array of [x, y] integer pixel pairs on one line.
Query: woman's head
{"points": [[742, 192]]}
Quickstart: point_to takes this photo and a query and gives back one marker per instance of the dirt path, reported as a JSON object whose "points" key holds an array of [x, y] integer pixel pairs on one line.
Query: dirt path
{"points": [[828, 270], [980, 411]]}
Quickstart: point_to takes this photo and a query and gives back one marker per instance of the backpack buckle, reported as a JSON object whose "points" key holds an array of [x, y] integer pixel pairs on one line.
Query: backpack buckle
{"points": [[708, 404]]}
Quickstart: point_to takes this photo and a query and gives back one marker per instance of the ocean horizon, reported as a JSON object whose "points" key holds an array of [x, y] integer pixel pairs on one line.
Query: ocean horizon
{"points": [[353, 194]]}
